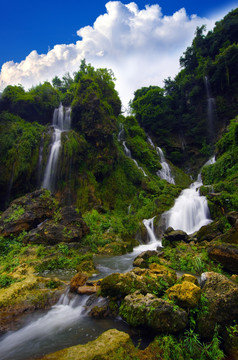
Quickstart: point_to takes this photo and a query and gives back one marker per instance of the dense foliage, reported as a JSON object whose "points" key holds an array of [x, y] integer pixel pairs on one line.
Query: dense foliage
{"points": [[177, 116]]}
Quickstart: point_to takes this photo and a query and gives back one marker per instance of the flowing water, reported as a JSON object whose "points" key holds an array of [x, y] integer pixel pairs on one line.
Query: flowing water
{"points": [[165, 172], [190, 211], [61, 122], [68, 322]]}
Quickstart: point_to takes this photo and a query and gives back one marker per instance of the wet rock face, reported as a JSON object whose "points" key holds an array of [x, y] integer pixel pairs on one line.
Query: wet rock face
{"points": [[46, 223], [222, 296], [150, 311], [68, 227], [226, 255], [27, 212]]}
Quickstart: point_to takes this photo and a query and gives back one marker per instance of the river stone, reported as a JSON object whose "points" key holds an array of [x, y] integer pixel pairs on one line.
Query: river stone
{"points": [[150, 311], [226, 255], [88, 290], [27, 212], [79, 279], [102, 348], [186, 295], [222, 309]]}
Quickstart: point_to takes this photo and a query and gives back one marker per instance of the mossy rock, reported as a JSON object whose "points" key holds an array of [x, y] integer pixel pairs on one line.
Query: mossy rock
{"points": [[150, 311], [155, 280], [222, 300], [31, 292], [102, 348], [186, 294], [189, 278]]}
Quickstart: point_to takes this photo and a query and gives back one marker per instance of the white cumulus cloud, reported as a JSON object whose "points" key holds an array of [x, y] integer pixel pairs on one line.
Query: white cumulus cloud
{"points": [[142, 47]]}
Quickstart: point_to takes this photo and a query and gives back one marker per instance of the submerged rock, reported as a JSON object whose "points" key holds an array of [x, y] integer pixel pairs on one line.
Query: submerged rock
{"points": [[222, 296], [150, 311], [101, 348]]}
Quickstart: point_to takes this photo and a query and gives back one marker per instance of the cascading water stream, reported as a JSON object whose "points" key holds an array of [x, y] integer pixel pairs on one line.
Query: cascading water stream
{"points": [[190, 211], [61, 122], [165, 172], [127, 151], [67, 323]]}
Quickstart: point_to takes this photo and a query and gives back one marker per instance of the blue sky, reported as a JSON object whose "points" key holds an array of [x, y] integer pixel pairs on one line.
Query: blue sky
{"points": [[27, 26]]}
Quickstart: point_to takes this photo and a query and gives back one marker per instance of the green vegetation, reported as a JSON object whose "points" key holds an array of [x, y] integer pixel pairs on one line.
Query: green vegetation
{"points": [[177, 115]]}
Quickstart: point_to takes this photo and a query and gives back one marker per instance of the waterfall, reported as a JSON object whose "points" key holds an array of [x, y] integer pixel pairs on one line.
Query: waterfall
{"points": [[61, 122], [190, 211], [211, 107], [149, 224], [127, 151], [61, 316], [165, 172]]}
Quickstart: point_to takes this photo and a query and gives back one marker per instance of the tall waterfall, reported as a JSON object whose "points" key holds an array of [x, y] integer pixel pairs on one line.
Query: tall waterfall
{"points": [[211, 107], [61, 122], [165, 172]]}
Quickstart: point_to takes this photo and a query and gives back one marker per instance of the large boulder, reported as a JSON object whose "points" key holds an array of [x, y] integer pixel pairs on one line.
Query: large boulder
{"points": [[150, 311], [102, 348], [172, 235], [156, 280], [222, 297], [66, 226], [226, 255], [186, 294], [209, 232], [27, 212]]}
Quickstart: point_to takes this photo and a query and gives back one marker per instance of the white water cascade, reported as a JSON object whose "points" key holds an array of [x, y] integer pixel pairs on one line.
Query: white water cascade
{"points": [[61, 122], [127, 151], [61, 316], [149, 224], [190, 211], [165, 172]]}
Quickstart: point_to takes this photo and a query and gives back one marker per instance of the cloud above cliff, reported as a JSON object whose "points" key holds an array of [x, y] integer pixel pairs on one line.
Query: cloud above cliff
{"points": [[142, 47]]}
